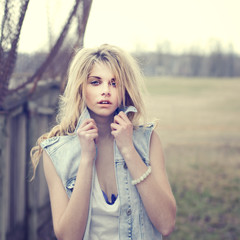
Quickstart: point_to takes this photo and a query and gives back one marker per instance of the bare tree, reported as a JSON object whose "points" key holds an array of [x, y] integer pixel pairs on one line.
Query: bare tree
{"points": [[11, 25], [10, 32]]}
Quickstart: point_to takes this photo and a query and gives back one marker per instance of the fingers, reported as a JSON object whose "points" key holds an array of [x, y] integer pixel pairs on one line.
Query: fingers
{"points": [[89, 134], [121, 119], [115, 128], [124, 116], [88, 124], [121, 122], [88, 130]]}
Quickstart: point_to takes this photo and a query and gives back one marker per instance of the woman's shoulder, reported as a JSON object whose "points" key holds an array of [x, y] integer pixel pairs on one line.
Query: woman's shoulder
{"points": [[64, 152], [57, 141], [142, 136], [144, 129]]}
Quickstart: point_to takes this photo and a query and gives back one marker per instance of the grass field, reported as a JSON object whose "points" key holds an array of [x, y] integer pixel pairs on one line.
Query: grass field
{"points": [[199, 125]]}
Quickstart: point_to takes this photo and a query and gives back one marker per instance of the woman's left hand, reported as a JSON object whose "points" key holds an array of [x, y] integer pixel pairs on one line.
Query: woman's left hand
{"points": [[122, 130]]}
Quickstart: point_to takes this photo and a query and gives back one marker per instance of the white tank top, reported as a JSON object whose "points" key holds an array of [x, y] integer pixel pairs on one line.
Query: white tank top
{"points": [[104, 219]]}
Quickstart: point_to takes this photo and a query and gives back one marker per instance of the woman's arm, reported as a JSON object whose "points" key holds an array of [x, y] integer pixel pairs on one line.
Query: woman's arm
{"points": [[155, 190], [70, 215]]}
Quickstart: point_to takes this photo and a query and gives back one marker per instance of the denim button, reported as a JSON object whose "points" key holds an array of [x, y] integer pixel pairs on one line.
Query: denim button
{"points": [[129, 212], [125, 166]]}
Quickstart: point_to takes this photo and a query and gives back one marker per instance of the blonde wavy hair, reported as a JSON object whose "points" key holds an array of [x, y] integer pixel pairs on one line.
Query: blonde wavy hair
{"points": [[71, 104]]}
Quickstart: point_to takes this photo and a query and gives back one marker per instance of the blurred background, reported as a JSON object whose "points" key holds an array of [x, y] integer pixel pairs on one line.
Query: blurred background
{"points": [[189, 51]]}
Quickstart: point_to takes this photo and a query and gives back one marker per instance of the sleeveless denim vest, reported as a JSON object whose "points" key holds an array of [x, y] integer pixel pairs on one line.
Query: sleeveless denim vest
{"points": [[65, 152]]}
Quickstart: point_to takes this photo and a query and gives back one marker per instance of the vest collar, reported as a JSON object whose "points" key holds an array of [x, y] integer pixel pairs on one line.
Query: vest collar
{"points": [[85, 114]]}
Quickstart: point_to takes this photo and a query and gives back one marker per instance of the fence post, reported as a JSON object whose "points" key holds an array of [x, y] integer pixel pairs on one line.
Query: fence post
{"points": [[3, 174], [32, 201]]}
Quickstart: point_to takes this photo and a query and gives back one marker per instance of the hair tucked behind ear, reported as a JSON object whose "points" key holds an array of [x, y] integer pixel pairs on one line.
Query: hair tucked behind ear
{"points": [[72, 102]]}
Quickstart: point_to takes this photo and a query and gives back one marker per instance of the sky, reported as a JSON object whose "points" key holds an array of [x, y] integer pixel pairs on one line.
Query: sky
{"points": [[140, 24]]}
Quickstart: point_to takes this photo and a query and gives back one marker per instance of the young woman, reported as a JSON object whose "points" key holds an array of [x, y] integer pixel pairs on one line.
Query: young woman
{"points": [[105, 173]]}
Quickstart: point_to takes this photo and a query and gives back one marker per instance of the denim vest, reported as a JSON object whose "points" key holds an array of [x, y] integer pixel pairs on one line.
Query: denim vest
{"points": [[65, 151]]}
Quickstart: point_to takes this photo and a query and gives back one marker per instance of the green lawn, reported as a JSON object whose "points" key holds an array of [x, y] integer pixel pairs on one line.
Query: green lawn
{"points": [[199, 125]]}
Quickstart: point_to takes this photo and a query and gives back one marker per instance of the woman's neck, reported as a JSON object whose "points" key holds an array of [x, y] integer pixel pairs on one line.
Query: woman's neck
{"points": [[103, 125], [104, 129]]}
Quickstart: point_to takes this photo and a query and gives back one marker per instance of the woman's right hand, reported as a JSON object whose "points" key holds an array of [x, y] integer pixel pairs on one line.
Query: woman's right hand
{"points": [[88, 135]]}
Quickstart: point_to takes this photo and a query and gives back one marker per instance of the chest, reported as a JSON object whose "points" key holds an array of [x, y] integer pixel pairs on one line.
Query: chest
{"points": [[105, 168]]}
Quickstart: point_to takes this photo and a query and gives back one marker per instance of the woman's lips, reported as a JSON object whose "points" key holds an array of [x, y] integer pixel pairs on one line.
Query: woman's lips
{"points": [[104, 102]]}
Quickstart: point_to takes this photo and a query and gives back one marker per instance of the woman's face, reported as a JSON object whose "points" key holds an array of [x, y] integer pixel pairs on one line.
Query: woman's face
{"points": [[101, 93]]}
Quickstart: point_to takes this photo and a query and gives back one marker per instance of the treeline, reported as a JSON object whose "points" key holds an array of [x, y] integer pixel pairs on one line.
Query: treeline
{"points": [[215, 64]]}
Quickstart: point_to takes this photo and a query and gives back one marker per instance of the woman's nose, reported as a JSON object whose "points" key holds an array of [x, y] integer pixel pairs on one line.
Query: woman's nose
{"points": [[106, 90]]}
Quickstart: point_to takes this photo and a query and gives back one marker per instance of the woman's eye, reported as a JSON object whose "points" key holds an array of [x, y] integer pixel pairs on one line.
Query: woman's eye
{"points": [[113, 83], [95, 82]]}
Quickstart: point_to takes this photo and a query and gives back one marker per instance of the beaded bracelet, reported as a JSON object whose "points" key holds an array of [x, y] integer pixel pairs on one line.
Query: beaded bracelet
{"points": [[143, 177]]}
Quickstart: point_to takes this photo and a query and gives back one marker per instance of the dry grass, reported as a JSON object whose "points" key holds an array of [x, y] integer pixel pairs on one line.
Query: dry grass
{"points": [[199, 124]]}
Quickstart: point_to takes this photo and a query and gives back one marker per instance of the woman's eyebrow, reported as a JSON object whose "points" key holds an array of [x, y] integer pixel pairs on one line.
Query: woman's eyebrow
{"points": [[97, 77]]}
